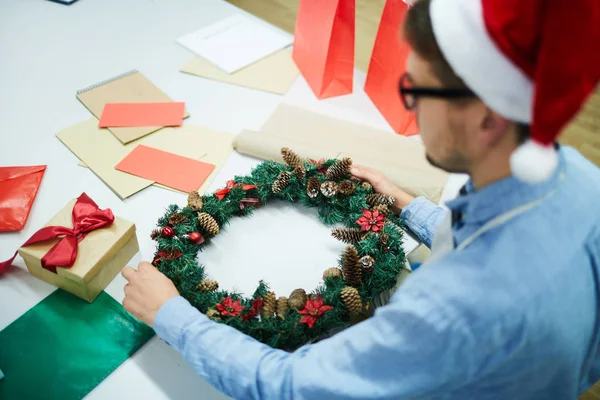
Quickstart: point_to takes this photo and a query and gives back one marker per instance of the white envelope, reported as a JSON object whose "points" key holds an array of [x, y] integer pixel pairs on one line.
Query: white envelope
{"points": [[235, 42]]}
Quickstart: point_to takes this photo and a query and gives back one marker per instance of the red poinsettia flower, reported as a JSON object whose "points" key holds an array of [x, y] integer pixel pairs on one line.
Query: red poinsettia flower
{"points": [[254, 310], [318, 165], [313, 310], [229, 308], [371, 221]]}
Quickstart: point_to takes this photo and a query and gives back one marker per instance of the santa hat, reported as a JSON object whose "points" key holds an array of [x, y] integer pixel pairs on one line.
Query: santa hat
{"points": [[532, 61]]}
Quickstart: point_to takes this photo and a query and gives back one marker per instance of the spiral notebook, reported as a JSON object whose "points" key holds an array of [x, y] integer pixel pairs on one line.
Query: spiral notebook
{"points": [[130, 87]]}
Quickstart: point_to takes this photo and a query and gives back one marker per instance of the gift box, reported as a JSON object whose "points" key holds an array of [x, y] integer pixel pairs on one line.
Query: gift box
{"points": [[97, 244]]}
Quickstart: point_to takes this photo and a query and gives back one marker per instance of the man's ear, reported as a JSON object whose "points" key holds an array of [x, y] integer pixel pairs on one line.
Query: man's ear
{"points": [[493, 126]]}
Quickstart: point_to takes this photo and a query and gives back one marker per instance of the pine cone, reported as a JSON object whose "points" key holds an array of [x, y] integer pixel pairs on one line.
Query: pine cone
{"points": [[292, 159], [208, 224], [156, 233], [297, 299], [208, 286], [382, 208], [313, 187], [195, 201], [176, 219], [376, 199], [300, 172], [282, 181], [383, 239], [347, 235], [367, 186], [329, 188], [351, 268], [351, 299], [332, 273], [213, 314], [269, 305], [347, 187], [367, 263], [282, 307], [339, 169]]}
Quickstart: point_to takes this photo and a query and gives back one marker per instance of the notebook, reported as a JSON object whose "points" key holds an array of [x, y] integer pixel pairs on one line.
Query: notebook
{"points": [[130, 87]]}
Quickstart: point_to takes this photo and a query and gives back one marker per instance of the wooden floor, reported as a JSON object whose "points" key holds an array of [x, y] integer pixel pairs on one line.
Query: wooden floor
{"points": [[583, 134]]}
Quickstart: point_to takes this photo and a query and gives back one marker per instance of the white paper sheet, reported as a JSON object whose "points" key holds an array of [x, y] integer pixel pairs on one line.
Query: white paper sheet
{"points": [[235, 42]]}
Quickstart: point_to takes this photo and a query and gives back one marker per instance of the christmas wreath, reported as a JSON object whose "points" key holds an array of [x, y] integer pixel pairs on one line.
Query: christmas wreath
{"points": [[367, 267]]}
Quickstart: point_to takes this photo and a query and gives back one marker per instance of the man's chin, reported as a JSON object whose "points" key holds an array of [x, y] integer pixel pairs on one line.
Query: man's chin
{"points": [[443, 166]]}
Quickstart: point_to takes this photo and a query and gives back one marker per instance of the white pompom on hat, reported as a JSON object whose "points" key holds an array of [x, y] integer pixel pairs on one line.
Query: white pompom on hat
{"points": [[532, 61]]}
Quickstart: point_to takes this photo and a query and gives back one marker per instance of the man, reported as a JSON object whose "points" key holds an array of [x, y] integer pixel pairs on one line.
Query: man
{"points": [[507, 308]]}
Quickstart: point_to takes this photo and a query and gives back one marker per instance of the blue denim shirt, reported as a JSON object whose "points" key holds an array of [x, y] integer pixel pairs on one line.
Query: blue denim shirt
{"points": [[512, 316]]}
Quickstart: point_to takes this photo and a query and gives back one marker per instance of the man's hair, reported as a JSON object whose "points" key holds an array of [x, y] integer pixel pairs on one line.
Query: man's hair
{"points": [[418, 31]]}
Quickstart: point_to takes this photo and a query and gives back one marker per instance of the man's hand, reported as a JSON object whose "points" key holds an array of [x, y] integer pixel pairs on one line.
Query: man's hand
{"points": [[383, 185], [146, 292]]}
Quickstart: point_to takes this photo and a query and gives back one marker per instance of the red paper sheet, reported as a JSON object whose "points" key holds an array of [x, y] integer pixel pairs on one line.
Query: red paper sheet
{"points": [[142, 114], [168, 169], [18, 188]]}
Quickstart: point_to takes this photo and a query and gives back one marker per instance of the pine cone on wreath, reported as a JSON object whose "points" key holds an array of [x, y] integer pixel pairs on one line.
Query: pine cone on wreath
{"points": [[282, 181], [348, 235], [292, 159], [367, 263], [213, 314], [156, 233], [208, 285], [282, 307], [300, 172], [376, 199], [297, 299], [339, 169], [347, 187], [313, 187], [332, 273], [208, 224], [351, 299], [366, 186], [382, 208], [351, 268], [269, 305], [329, 188], [195, 201], [176, 219], [383, 239]]}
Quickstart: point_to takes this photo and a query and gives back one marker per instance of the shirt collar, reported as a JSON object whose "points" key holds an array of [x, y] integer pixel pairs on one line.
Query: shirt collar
{"points": [[479, 206]]}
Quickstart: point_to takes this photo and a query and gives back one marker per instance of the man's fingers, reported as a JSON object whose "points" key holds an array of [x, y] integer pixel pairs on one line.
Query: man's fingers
{"points": [[364, 173], [128, 273], [146, 266]]}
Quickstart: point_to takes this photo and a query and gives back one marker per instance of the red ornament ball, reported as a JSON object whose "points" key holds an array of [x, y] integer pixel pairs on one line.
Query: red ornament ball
{"points": [[167, 232], [196, 238]]}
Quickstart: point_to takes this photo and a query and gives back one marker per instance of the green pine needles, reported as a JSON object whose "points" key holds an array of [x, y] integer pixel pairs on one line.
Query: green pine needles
{"points": [[368, 266]]}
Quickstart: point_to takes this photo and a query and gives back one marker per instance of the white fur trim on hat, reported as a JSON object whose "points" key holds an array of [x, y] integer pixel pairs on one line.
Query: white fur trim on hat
{"points": [[533, 162], [464, 40]]}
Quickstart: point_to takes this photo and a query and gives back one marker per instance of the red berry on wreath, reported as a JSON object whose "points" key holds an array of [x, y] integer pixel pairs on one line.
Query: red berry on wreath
{"points": [[196, 238], [167, 232]]}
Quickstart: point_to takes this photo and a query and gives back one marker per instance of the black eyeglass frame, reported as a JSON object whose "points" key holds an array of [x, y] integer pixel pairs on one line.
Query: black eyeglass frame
{"points": [[419, 91]]}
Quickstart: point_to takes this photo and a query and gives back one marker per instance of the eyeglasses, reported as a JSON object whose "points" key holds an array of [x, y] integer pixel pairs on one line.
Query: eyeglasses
{"points": [[410, 94]]}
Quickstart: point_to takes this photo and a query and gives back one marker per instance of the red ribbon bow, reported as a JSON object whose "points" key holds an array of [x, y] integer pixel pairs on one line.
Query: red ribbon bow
{"points": [[86, 217], [248, 201], [230, 185]]}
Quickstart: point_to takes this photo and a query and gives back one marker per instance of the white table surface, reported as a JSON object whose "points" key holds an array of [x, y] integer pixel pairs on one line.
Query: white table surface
{"points": [[47, 52]]}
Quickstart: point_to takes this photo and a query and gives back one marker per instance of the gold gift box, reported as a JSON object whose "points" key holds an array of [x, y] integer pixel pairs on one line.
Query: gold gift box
{"points": [[100, 256]]}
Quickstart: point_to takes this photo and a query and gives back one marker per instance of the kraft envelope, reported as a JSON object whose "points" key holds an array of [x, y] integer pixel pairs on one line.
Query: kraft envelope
{"points": [[166, 168], [101, 151], [316, 136], [274, 74], [142, 114]]}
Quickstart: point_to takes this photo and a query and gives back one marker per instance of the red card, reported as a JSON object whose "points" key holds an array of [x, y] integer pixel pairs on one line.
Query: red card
{"points": [[168, 169], [142, 114]]}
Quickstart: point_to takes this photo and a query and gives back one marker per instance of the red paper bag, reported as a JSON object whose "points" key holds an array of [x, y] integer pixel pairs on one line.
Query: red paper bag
{"points": [[18, 188], [324, 45], [388, 63]]}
